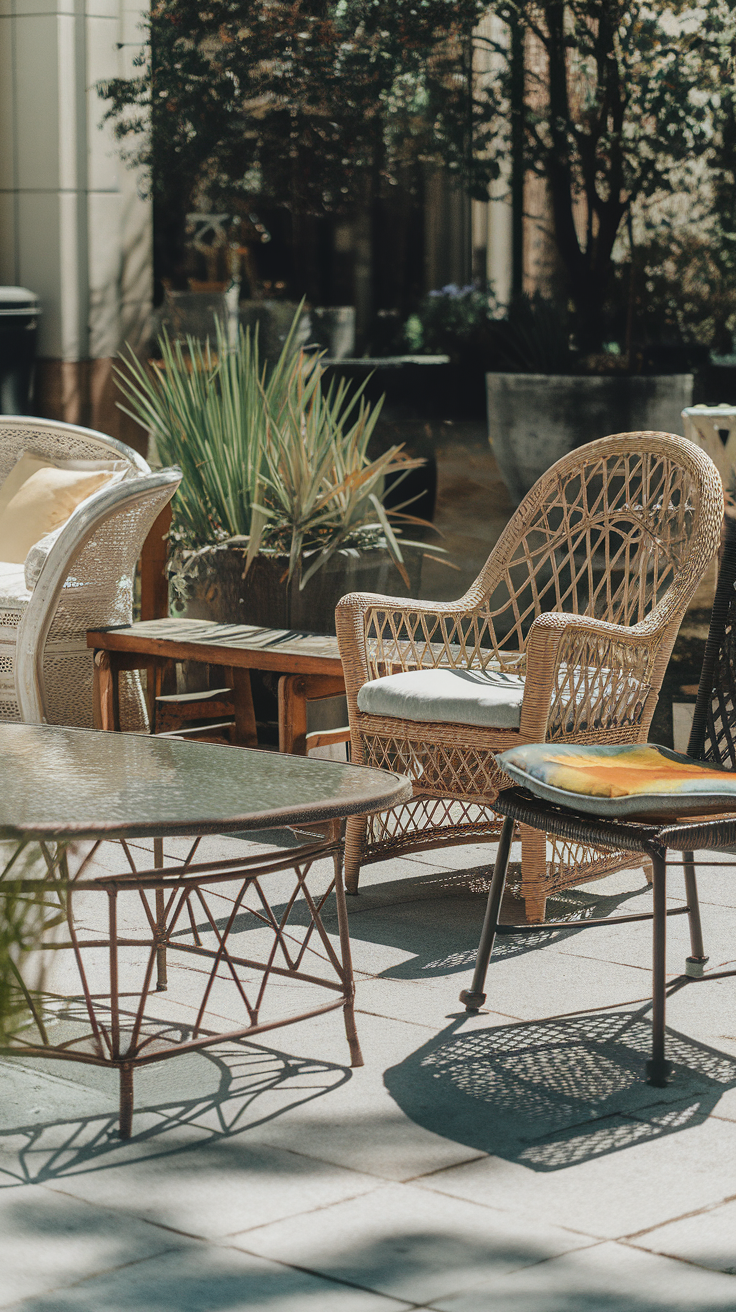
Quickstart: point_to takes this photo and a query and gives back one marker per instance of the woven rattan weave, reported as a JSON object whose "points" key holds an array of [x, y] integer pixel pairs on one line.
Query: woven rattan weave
{"points": [[583, 594], [86, 580]]}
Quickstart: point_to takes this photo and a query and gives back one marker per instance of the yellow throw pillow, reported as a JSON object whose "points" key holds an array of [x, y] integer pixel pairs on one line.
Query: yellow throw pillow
{"points": [[43, 503], [27, 463]]}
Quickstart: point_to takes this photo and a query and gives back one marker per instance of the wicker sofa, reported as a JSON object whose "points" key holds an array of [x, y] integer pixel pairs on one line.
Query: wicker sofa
{"points": [[82, 578]]}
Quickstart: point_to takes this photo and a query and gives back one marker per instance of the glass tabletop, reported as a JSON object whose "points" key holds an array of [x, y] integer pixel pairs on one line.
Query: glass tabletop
{"points": [[58, 782]]}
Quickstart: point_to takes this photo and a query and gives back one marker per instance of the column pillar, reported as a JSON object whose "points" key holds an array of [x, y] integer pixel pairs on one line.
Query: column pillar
{"points": [[73, 227]]}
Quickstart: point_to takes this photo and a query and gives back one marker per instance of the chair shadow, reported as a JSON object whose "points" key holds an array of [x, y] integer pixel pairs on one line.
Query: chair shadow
{"points": [[404, 915], [447, 943], [249, 1079], [554, 1093]]}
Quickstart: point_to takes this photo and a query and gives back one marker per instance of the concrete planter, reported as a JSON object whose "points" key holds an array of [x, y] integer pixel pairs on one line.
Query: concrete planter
{"points": [[220, 593], [535, 419]]}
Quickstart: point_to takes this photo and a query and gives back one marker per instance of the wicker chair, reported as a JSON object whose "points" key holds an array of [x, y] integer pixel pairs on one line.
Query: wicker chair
{"points": [[612, 540], [85, 581]]}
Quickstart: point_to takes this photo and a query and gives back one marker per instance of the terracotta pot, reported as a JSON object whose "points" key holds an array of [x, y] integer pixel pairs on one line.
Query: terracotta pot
{"points": [[220, 593]]}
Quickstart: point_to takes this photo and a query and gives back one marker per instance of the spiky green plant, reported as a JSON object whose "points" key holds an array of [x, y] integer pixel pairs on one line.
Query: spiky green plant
{"points": [[31, 904], [270, 462]]}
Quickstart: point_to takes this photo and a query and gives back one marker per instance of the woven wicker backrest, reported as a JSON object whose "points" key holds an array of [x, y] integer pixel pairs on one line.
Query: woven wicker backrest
{"points": [[608, 531], [713, 735], [47, 437]]}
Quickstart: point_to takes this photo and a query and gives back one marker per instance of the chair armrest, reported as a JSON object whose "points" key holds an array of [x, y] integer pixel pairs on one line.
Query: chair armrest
{"points": [[79, 584], [584, 675], [387, 635]]}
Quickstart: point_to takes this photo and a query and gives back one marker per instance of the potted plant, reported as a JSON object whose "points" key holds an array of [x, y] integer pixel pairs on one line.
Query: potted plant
{"points": [[615, 106], [280, 509], [545, 399]]}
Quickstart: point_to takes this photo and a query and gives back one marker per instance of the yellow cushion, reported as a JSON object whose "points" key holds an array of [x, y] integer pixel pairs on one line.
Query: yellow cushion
{"points": [[43, 503], [625, 779], [27, 463]]}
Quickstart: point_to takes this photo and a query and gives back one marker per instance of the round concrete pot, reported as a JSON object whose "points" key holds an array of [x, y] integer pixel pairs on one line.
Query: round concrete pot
{"points": [[263, 597], [535, 419]]}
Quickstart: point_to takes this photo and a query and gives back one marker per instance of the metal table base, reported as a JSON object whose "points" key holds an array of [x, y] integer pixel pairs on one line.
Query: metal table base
{"points": [[177, 915]]}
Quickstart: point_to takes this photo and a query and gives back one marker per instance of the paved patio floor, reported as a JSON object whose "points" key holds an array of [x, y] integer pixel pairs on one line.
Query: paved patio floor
{"points": [[514, 1160]]}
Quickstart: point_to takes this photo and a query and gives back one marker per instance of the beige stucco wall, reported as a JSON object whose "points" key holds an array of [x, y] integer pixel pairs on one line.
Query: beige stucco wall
{"points": [[73, 226]]}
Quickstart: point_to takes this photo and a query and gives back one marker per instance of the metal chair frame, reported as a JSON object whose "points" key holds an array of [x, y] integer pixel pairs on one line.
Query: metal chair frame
{"points": [[712, 739]]}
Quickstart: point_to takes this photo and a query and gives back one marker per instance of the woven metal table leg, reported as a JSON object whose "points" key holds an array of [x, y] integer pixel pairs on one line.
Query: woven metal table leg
{"points": [[695, 963], [657, 1069], [351, 1033], [161, 976], [474, 997]]}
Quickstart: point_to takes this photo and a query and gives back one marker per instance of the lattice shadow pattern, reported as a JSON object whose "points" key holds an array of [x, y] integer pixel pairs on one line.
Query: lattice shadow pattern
{"points": [[555, 1093]]}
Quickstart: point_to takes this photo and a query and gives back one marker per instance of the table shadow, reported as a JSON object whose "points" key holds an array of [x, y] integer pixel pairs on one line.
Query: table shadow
{"points": [[253, 1085], [438, 919]]}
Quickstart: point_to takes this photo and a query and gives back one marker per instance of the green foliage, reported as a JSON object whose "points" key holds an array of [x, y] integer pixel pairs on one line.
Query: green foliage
{"points": [[270, 462], [450, 319], [532, 336], [622, 100], [535, 338], [305, 103], [684, 291], [29, 908]]}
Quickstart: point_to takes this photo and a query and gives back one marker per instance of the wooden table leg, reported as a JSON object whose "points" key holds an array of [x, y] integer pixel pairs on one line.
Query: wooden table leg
{"points": [[293, 714], [105, 692], [246, 734], [164, 682], [295, 690]]}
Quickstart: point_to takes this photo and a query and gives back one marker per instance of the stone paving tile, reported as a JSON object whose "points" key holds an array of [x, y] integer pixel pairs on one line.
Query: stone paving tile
{"points": [[542, 981], [427, 1002], [706, 1239], [218, 1188], [359, 1124], [611, 1177], [606, 1278], [210, 1278], [524, 1120], [47, 1241], [33, 1094], [410, 1244], [633, 943]]}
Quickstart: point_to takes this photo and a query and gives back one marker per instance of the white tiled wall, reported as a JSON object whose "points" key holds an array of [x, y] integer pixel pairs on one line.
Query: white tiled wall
{"points": [[73, 226]]}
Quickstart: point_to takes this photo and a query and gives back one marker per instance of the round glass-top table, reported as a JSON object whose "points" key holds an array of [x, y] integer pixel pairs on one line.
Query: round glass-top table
{"points": [[69, 791]]}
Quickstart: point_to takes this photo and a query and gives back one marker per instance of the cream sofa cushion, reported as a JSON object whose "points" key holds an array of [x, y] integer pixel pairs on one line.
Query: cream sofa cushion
{"points": [[485, 698], [29, 462], [43, 503]]}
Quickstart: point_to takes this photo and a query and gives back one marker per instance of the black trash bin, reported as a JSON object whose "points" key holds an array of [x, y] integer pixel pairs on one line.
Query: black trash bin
{"points": [[19, 311]]}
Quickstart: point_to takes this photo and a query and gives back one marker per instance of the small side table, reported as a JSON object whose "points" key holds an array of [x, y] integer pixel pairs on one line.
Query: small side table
{"points": [[309, 665]]}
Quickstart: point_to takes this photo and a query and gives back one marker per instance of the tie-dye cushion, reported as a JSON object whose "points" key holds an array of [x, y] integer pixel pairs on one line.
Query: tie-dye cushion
{"points": [[630, 779]]}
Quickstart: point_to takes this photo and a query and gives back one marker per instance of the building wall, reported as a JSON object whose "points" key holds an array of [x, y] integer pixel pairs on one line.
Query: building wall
{"points": [[73, 226]]}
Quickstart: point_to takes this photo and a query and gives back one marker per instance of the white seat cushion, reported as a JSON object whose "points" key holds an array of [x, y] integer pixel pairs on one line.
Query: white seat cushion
{"points": [[487, 698]]}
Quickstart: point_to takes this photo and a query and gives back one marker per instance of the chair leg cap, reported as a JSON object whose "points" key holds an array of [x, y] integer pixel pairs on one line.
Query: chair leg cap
{"points": [[473, 1001], [695, 967], [659, 1073]]}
